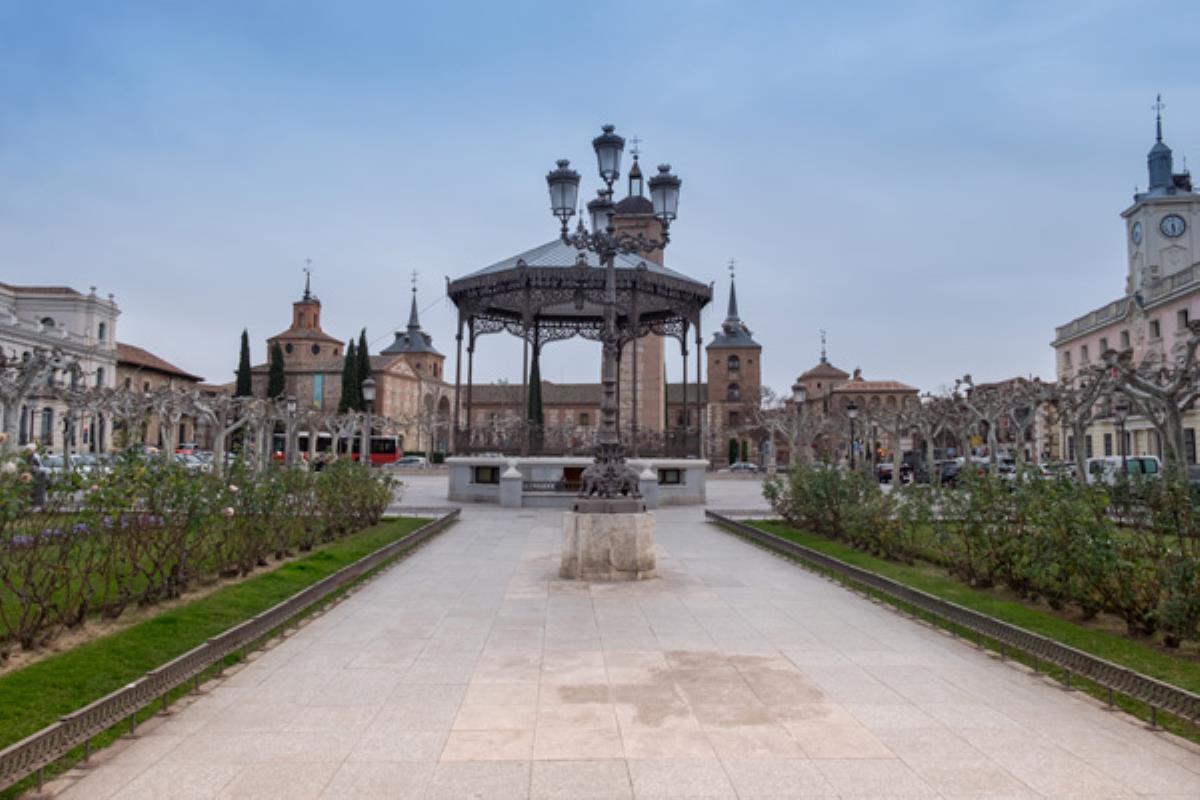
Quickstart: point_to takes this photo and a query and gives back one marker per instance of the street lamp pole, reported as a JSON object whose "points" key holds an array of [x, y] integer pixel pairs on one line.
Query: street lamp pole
{"points": [[290, 434], [610, 484], [799, 395], [852, 413], [364, 448], [1121, 413]]}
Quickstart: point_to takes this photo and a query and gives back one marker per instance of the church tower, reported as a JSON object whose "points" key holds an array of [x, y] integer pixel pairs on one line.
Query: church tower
{"points": [[1161, 224], [304, 343], [734, 381], [633, 215], [415, 346]]}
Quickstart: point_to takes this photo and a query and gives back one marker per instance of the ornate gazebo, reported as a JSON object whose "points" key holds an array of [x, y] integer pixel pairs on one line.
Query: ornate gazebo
{"points": [[552, 293]]}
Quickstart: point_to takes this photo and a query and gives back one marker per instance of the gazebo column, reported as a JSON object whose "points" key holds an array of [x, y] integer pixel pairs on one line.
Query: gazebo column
{"points": [[687, 414], [635, 318], [457, 385], [470, 373], [699, 380], [524, 410]]}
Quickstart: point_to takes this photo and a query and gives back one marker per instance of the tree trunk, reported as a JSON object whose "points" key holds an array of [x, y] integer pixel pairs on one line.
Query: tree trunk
{"points": [[1078, 431]]}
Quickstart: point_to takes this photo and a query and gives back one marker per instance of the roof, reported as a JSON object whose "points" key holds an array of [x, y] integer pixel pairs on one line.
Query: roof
{"points": [[305, 334], [675, 393], [557, 253], [825, 370], [129, 355], [552, 393], [867, 387], [412, 340], [66, 290], [733, 332], [635, 204]]}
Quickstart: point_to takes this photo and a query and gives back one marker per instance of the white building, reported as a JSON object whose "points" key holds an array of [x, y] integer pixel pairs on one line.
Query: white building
{"points": [[83, 328]]}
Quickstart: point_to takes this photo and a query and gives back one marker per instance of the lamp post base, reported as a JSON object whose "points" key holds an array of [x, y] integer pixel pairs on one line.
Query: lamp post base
{"points": [[608, 546]]}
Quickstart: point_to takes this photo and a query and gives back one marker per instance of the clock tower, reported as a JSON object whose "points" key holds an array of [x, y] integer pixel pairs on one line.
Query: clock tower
{"points": [[1161, 225]]}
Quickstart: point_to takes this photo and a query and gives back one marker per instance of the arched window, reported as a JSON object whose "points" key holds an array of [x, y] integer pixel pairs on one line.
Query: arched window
{"points": [[102, 331], [47, 426], [48, 322], [733, 393], [734, 363]]}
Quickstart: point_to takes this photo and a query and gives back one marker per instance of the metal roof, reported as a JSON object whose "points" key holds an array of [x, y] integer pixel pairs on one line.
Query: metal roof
{"points": [[557, 253]]}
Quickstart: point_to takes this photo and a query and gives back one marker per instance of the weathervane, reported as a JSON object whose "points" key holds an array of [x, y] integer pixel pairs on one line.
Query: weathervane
{"points": [[414, 281], [307, 278], [635, 150], [1158, 107]]}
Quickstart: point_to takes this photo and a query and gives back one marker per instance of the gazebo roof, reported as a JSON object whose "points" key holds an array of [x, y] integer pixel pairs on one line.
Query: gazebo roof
{"points": [[558, 253]]}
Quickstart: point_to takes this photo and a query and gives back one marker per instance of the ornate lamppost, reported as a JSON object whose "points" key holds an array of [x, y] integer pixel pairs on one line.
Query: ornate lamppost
{"points": [[799, 395], [852, 413], [609, 484], [289, 456], [1121, 413], [364, 448]]}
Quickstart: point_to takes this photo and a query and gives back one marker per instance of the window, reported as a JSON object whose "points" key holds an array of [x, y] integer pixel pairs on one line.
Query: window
{"points": [[129, 383], [681, 419], [102, 331], [48, 322], [1108, 447], [1189, 444], [1071, 447], [1103, 345], [735, 419], [316, 349], [287, 348], [733, 393], [734, 363], [301, 319], [487, 475], [1087, 446], [47, 436], [1124, 340], [1083, 354], [1154, 329], [1066, 359], [100, 376], [670, 477], [585, 419], [146, 386], [1182, 318]]}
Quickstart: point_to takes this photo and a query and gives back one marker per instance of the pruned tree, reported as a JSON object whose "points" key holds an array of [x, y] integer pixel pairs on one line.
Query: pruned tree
{"points": [[989, 404], [1075, 405], [19, 375], [1028, 397]]}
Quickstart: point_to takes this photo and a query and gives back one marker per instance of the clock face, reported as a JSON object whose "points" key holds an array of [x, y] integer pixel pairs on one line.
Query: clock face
{"points": [[1172, 225], [1136, 233]]}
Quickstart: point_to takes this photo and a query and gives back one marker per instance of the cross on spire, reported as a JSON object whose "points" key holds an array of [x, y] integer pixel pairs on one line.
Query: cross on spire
{"points": [[635, 150], [415, 274], [308, 279], [823, 345], [732, 267], [1158, 107]]}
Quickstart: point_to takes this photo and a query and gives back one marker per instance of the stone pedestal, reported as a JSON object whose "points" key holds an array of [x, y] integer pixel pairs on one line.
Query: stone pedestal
{"points": [[511, 482], [608, 547]]}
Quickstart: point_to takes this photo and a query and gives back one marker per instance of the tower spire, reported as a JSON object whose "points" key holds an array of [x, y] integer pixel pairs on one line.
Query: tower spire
{"points": [[414, 323], [731, 315], [823, 359], [1159, 160], [1158, 107], [308, 279]]}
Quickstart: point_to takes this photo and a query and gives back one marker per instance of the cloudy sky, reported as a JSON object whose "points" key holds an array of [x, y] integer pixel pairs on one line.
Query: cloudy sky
{"points": [[937, 186]]}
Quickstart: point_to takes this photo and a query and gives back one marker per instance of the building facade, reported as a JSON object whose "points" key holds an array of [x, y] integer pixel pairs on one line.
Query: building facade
{"points": [[1151, 318], [140, 370], [734, 388], [83, 327]]}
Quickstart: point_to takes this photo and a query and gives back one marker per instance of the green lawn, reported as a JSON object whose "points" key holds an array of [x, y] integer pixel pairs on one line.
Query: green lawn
{"points": [[37, 695], [1140, 656]]}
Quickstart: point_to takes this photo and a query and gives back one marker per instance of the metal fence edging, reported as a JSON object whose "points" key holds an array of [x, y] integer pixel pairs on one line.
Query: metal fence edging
{"points": [[42, 748], [1151, 691]]}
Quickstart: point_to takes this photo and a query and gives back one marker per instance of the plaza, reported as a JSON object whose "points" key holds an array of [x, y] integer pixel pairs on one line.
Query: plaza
{"points": [[471, 670]]}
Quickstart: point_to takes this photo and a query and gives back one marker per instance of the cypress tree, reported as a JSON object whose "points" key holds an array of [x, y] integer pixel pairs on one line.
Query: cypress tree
{"points": [[349, 380], [363, 368], [275, 382], [244, 388], [733, 451]]}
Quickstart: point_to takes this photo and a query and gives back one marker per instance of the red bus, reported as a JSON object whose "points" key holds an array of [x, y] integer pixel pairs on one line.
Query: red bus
{"points": [[384, 449]]}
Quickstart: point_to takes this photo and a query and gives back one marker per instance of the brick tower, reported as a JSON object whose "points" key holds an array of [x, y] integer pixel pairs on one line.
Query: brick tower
{"points": [[734, 382]]}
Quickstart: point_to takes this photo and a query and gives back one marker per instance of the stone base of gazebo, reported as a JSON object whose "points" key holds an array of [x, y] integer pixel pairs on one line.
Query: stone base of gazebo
{"points": [[608, 547]]}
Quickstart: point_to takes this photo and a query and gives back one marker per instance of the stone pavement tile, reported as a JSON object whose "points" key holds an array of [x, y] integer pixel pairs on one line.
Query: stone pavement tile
{"points": [[863, 777], [180, 782], [653, 715], [94, 783], [508, 666], [723, 693], [296, 747], [578, 667], [332, 718], [254, 716], [356, 687], [791, 777], [679, 778], [385, 781], [969, 777], [753, 741], [510, 637], [581, 716], [389, 741], [223, 747], [143, 749], [389, 653], [634, 666], [426, 671], [552, 743], [931, 742], [501, 694], [729, 715], [495, 717], [1149, 775], [649, 743], [1056, 773], [968, 716], [279, 782], [879, 718], [498, 780], [488, 746], [580, 780]]}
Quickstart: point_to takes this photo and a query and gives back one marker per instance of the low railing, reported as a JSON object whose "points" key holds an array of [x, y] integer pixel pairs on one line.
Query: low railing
{"points": [[1159, 696], [33, 753], [535, 440], [562, 487]]}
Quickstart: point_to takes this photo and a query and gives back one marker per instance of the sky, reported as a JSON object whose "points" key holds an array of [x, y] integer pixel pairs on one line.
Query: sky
{"points": [[936, 185]]}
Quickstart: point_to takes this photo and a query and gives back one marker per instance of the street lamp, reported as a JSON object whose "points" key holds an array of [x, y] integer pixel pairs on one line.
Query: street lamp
{"points": [[289, 444], [1121, 413], [852, 413], [799, 395], [609, 484], [368, 395]]}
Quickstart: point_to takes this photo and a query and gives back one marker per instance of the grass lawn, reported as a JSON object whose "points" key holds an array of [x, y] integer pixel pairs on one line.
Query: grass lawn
{"points": [[1143, 657], [35, 696]]}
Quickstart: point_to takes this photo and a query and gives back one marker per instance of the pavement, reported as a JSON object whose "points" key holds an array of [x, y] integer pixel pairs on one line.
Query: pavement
{"points": [[471, 670]]}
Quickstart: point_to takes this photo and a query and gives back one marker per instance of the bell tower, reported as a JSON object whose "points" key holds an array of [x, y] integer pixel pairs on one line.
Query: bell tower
{"points": [[734, 379]]}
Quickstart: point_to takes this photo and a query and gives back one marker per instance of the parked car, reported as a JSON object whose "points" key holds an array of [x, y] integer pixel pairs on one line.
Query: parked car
{"points": [[1193, 473], [187, 448], [743, 466], [884, 469], [1105, 469], [413, 462]]}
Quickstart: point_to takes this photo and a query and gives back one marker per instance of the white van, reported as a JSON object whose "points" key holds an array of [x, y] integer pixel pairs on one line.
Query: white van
{"points": [[1105, 469]]}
